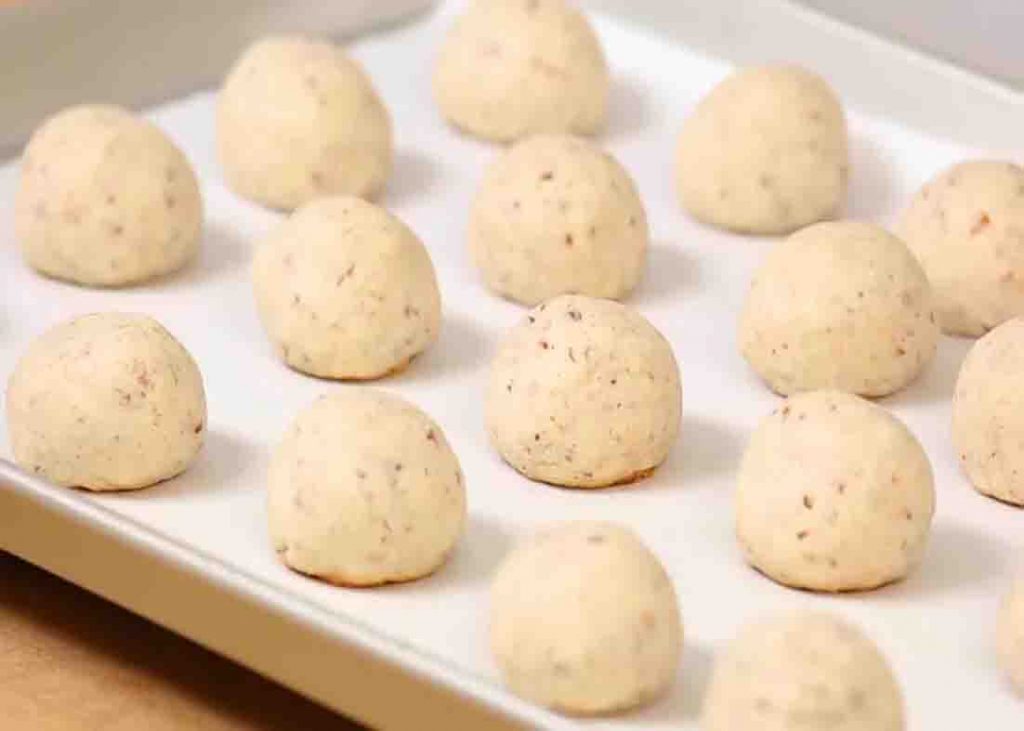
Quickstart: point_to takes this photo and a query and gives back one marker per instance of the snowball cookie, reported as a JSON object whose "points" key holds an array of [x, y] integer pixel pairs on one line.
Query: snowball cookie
{"points": [[511, 68], [345, 290], [106, 199], [834, 494], [365, 490], [839, 305], [764, 152], [967, 228], [108, 401], [298, 119], [584, 393], [584, 620], [802, 671], [988, 413], [1010, 637], [556, 215]]}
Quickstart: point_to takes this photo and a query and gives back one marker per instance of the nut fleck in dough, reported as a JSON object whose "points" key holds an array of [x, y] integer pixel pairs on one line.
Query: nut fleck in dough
{"points": [[803, 671], [584, 620], [839, 305], [764, 152], [834, 494], [1010, 637], [556, 215], [345, 290], [584, 393], [512, 68], [106, 199], [298, 119], [967, 228], [988, 413], [365, 490], [106, 402]]}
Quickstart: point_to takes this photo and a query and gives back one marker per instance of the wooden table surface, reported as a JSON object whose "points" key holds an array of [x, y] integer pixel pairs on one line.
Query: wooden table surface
{"points": [[70, 660]]}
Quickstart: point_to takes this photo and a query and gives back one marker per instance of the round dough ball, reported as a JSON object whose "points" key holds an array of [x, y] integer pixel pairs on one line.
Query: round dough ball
{"points": [[106, 199], [834, 494], [988, 413], [108, 401], [365, 490], [584, 393], [1010, 637], [298, 119], [803, 671], [556, 215], [512, 68], [345, 290], [967, 228], [764, 152], [584, 620], [839, 305]]}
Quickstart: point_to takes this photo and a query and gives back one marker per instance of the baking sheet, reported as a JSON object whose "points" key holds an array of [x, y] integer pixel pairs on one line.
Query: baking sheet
{"points": [[935, 627]]}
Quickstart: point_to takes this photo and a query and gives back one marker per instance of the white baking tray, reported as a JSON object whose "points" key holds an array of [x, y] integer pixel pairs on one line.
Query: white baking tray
{"points": [[193, 553]]}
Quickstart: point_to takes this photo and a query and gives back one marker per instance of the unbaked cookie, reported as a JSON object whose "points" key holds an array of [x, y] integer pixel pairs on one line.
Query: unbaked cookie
{"points": [[834, 494], [1010, 637], [106, 199], [584, 393]]}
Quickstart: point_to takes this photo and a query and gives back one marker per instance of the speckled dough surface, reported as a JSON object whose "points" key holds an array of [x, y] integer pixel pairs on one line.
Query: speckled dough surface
{"points": [[556, 215], [804, 671], [839, 305], [106, 199], [365, 490], [345, 290], [764, 152], [988, 413], [298, 119], [511, 68], [966, 226], [584, 393], [833, 494], [584, 620], [1010, 637], [108, 401]]}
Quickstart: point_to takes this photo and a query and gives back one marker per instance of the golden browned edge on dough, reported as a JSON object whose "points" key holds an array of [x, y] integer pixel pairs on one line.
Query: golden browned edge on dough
{"points": [[813, 590], [393, 371], [346, 583]]}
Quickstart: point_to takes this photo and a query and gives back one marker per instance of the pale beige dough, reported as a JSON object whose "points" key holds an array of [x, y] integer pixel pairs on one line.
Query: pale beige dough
{"points": [[764, 152], [839, 305], [803, 671], [511, 68], [584, 393], [966, 226], [108, 401], [988, 413], [834, 494], [345, 290], [557, 215], [298, 119], [1010, 637], [364, 490], [106, 199], [584, 620]]}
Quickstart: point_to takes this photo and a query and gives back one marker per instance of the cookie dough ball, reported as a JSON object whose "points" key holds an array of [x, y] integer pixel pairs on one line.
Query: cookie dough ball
{"points": [[834, 494], [106, 199], [988, 413], [298, 119], [106, 402], [804, 671], [584, 393], [512, 68], [839, 305], [1010, 637], [365, 490], [764, 152], [584, 620], [967, 228], [556, 215], [345, 290]]}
